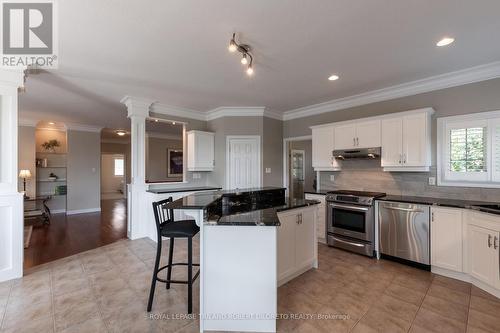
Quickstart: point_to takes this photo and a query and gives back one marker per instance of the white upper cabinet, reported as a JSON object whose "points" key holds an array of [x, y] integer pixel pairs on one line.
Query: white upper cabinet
{"points": [[368, 134], [322, 147], [392, 142], [345, 136], [360, 134], [200, 154], [406, 142]]}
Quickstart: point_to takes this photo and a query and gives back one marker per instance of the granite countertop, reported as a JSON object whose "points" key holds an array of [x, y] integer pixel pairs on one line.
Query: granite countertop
{"points": [[317, 192], [457, 203], [184, 189], [260, 217]]}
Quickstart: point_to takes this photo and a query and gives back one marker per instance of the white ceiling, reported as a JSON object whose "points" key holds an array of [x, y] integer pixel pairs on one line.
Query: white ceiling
{"points": [[175, 52]]}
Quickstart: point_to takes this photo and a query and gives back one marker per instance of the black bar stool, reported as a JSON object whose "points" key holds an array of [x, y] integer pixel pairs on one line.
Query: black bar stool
{"points": [[167, 227]]}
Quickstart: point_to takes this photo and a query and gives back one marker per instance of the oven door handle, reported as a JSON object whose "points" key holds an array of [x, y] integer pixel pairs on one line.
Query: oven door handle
{"points": [[361, 209], [347, 242], [411, 210]]}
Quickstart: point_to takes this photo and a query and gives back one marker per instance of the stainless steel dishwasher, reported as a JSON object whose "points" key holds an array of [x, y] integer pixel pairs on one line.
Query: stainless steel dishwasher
{"points": [[403, 231]]}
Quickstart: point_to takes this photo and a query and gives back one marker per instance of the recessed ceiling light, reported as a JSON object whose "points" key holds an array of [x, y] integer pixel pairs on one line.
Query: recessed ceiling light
{"points": [[333, 77], [120, 133], [445, 41], [51, 123]]}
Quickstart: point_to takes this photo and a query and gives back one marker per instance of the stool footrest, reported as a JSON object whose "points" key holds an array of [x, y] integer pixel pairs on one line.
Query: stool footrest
{"points": [[176, 281]]}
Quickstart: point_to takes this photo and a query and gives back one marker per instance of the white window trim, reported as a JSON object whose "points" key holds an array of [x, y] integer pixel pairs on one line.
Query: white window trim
{"points": [[114, 166], [445, 123]]}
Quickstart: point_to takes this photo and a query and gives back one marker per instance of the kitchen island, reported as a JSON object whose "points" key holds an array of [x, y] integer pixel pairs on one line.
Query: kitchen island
{"points": [[251, 241]]}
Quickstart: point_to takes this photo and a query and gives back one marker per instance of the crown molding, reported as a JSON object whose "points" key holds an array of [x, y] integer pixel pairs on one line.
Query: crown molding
{"points": [[177, 111], [26, 122], [443, 81], [235, 111], [83, 128], [158, 135]]}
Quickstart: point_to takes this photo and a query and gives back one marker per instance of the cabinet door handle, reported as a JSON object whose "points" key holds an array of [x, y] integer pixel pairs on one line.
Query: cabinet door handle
{"points": [[432, 216], [404, 158], [495, 243], [400, 158], [357, 141], [489, 240], [354, 141]]}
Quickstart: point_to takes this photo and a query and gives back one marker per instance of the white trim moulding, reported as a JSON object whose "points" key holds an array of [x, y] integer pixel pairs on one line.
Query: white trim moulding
{"points": [[448, 80]]}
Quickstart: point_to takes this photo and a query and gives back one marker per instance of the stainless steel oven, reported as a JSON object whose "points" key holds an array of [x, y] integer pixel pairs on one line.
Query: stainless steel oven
{"points": [[351, 220]]}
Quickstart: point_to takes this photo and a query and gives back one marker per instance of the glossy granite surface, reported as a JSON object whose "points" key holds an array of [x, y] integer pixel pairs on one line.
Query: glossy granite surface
{"points": [[255, 212], [261, 217], [184, 189]]}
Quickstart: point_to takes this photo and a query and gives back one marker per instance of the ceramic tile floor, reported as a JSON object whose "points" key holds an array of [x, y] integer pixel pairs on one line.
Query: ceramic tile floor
{"points": [[106, 290]]}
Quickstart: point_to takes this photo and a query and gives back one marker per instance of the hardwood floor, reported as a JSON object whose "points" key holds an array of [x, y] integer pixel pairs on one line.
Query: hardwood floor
{"points": [[68, 235]]}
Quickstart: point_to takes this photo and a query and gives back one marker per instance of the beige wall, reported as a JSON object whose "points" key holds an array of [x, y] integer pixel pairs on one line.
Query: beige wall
{"points": [[26, 158], [363, 175], [119, 148], [156, 158], [84, 156], [109, 182]]}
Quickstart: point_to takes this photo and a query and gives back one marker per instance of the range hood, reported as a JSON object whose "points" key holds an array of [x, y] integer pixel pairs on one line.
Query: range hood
{"points": [[364, 153]]}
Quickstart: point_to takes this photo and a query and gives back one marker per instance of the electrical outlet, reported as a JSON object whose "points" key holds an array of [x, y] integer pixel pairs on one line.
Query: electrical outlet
{"points": [[332, 178], [432, 181], [268, 170]]}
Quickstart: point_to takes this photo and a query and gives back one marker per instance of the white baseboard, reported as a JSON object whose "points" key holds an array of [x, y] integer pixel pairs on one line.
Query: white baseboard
{"points": [[83, 211], [57, 211]]}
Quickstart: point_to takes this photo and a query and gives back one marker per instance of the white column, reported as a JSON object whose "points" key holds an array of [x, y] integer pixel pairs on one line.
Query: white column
{"points": [[11, 202], [138, 111]]}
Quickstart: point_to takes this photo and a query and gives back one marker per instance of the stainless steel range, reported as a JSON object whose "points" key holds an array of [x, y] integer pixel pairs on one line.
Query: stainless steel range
{"points": [[351, 220]]}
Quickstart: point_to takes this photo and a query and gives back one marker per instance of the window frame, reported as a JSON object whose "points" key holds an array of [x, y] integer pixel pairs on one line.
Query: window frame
{"points": [[123, 166], [445, 177]]}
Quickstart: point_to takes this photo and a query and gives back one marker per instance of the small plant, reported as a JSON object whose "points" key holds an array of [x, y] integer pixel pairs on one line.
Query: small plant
{"points": [[51, 145]]}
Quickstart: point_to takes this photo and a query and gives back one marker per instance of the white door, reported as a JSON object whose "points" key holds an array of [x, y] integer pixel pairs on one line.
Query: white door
{"points": [[322, 147], [392, 141], [345, 136], [304, 238], [243, 160], [286, 245], [368, 134], [483, 258], [446, 238], [415, 140]]}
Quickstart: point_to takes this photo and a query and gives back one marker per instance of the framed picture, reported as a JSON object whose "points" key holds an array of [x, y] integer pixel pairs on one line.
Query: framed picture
{"points": [[174, 163]]}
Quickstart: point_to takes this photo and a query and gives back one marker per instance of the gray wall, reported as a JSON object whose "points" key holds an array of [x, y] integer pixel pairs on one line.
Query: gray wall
{"points": [[272, 152], [26, 158], [271, 134], [365, 175], [156, 158], [84, 156]]}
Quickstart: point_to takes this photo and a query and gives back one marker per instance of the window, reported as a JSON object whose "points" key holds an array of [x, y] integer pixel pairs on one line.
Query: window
{"points": [[119, 167], [469, 150]]}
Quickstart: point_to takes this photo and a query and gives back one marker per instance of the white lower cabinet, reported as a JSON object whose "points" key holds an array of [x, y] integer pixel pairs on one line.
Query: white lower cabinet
{"points": [[321, 218], [446, 238], [483, 247], [297, 246]]}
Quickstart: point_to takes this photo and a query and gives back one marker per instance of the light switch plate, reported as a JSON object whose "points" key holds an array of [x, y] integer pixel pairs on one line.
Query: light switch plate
{"points": [[268, 170], [332, 178], [432, 181]]}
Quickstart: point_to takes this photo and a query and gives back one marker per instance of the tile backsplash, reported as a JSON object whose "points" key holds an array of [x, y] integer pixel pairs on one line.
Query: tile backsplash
{"points": [[367, 175]]}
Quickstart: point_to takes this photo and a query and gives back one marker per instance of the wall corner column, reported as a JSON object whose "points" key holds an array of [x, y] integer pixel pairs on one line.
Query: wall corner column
{"points": [[137, 110], [11, 201]]}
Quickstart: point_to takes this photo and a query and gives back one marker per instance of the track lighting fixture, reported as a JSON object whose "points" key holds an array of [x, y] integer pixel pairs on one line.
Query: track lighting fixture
{"points": [[244, 49]]}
